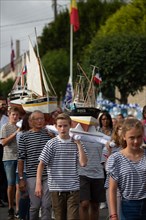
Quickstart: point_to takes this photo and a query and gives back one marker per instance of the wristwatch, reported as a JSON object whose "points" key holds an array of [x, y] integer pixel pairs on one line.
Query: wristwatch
{"points": [[21, 178]]}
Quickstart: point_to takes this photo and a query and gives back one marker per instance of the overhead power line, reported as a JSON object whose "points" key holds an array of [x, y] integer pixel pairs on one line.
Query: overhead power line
{"points": [[26, 22]]}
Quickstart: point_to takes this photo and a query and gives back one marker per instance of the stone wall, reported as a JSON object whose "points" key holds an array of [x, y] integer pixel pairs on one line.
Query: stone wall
{"points": [[139, 98]]}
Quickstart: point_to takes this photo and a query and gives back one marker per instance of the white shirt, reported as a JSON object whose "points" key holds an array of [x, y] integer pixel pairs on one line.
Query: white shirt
{"points": [[4, 119]]}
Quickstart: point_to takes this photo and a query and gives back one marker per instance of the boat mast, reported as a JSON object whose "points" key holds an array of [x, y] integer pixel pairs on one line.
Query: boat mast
{"points": [[22, 75], [90, 97], [83, 72], [38, 57]]}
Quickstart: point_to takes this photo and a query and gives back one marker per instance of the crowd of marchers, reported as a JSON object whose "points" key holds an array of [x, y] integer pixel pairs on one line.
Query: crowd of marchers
{"points": [[45, 175]]}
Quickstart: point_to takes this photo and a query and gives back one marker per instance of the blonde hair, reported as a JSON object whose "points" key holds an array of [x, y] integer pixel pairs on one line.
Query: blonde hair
{"points": [[63, 116], [127, 126], [115, 135]]}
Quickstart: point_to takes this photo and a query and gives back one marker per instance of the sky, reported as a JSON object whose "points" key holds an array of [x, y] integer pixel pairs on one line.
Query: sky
{"points": [[18, 20]]}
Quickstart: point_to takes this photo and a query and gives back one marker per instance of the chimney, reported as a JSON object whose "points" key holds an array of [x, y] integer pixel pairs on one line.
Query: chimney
{"points": [[17, 49]]}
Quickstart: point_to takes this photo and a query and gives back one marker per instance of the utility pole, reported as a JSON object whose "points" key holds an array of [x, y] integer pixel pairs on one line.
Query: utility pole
{"points": [[54, 5]]}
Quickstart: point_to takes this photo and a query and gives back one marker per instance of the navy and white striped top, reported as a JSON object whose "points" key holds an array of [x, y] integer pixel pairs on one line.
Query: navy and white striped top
{"points": [[31, 145], [130, 175], [104, 158], [94, 168], [61, 158]]}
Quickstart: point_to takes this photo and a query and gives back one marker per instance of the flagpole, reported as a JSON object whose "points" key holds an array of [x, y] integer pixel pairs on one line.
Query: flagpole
{"points": [[71, 56], [74, 26], [22, 76]]}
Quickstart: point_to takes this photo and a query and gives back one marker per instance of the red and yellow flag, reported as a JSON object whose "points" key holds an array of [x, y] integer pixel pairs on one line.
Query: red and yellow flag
{"points": [[74, 16]]}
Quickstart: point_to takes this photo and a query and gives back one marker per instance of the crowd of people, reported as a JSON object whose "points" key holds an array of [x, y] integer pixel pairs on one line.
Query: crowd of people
{"points": [[67, 178]]}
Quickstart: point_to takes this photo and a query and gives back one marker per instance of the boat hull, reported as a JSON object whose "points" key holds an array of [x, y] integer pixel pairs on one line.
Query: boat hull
{"points": [[16, 98], [19, 106], [85, 111], [46, 105]]}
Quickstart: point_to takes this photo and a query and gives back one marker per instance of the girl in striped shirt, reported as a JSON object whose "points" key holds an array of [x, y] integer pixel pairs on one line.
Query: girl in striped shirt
{"points": [[127, 171], [110, 148]]}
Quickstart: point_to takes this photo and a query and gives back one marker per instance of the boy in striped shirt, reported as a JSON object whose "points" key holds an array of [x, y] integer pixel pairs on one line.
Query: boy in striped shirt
{"points": [[61, 155]]}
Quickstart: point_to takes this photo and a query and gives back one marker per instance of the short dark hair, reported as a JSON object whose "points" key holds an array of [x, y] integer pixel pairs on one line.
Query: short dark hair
{"points": [[143, 112], [13, 109]]}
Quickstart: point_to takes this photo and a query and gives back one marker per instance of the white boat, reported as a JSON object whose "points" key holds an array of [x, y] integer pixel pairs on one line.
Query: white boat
{"points": [[18, 92], [43, 97], [83, 95], [16, 96], [86, 128], [79, 99]]}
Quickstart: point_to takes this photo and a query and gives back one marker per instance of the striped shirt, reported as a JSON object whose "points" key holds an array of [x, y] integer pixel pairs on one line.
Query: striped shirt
{"points": [[10, 149], [130, 175], [61, 158], [31, 145], [94, 168], [105, 155]]}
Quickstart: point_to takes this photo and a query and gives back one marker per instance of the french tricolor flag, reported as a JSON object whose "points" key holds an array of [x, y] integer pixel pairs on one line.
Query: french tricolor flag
{"points": [[97, 79], [24, 70]]}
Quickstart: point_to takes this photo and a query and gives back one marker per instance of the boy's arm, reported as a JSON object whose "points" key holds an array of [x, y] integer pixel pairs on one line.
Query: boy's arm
{"points": [[82, 155], [8, 139], [38, 188]]}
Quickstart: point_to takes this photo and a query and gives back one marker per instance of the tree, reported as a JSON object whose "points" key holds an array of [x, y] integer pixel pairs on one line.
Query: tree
{"points": [[56, 34], [119, 50], [5, 88], [121, 59], [92, 14], [56, 65], [129, 18]]}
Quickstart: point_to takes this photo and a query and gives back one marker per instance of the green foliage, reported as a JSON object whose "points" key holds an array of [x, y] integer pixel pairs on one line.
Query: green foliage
{"points": [[119, 49], [92, 14], [5, 88], [121, 59], [129, 18], [56, 34], [56, 64]]}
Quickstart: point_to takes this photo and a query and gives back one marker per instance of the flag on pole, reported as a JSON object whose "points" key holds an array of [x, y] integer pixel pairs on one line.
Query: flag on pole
{"points": [[74, 15], [69, 94], [24, 70], [97, 79], [12, 56]]}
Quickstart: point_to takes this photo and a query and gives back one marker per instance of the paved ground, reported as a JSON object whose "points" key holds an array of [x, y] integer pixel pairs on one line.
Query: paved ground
{"points": [[3, 214]]}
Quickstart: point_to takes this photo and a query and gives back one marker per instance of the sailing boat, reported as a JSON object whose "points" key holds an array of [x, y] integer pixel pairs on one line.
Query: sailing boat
{"points": [[84, 100], [42, 96], [19, 89], [84, 114], [79, 98]]}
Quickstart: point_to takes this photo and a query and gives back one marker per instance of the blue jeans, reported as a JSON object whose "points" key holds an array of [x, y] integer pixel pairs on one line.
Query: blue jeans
{"points": [[10, 169], [24, 201], [133, 209]]}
